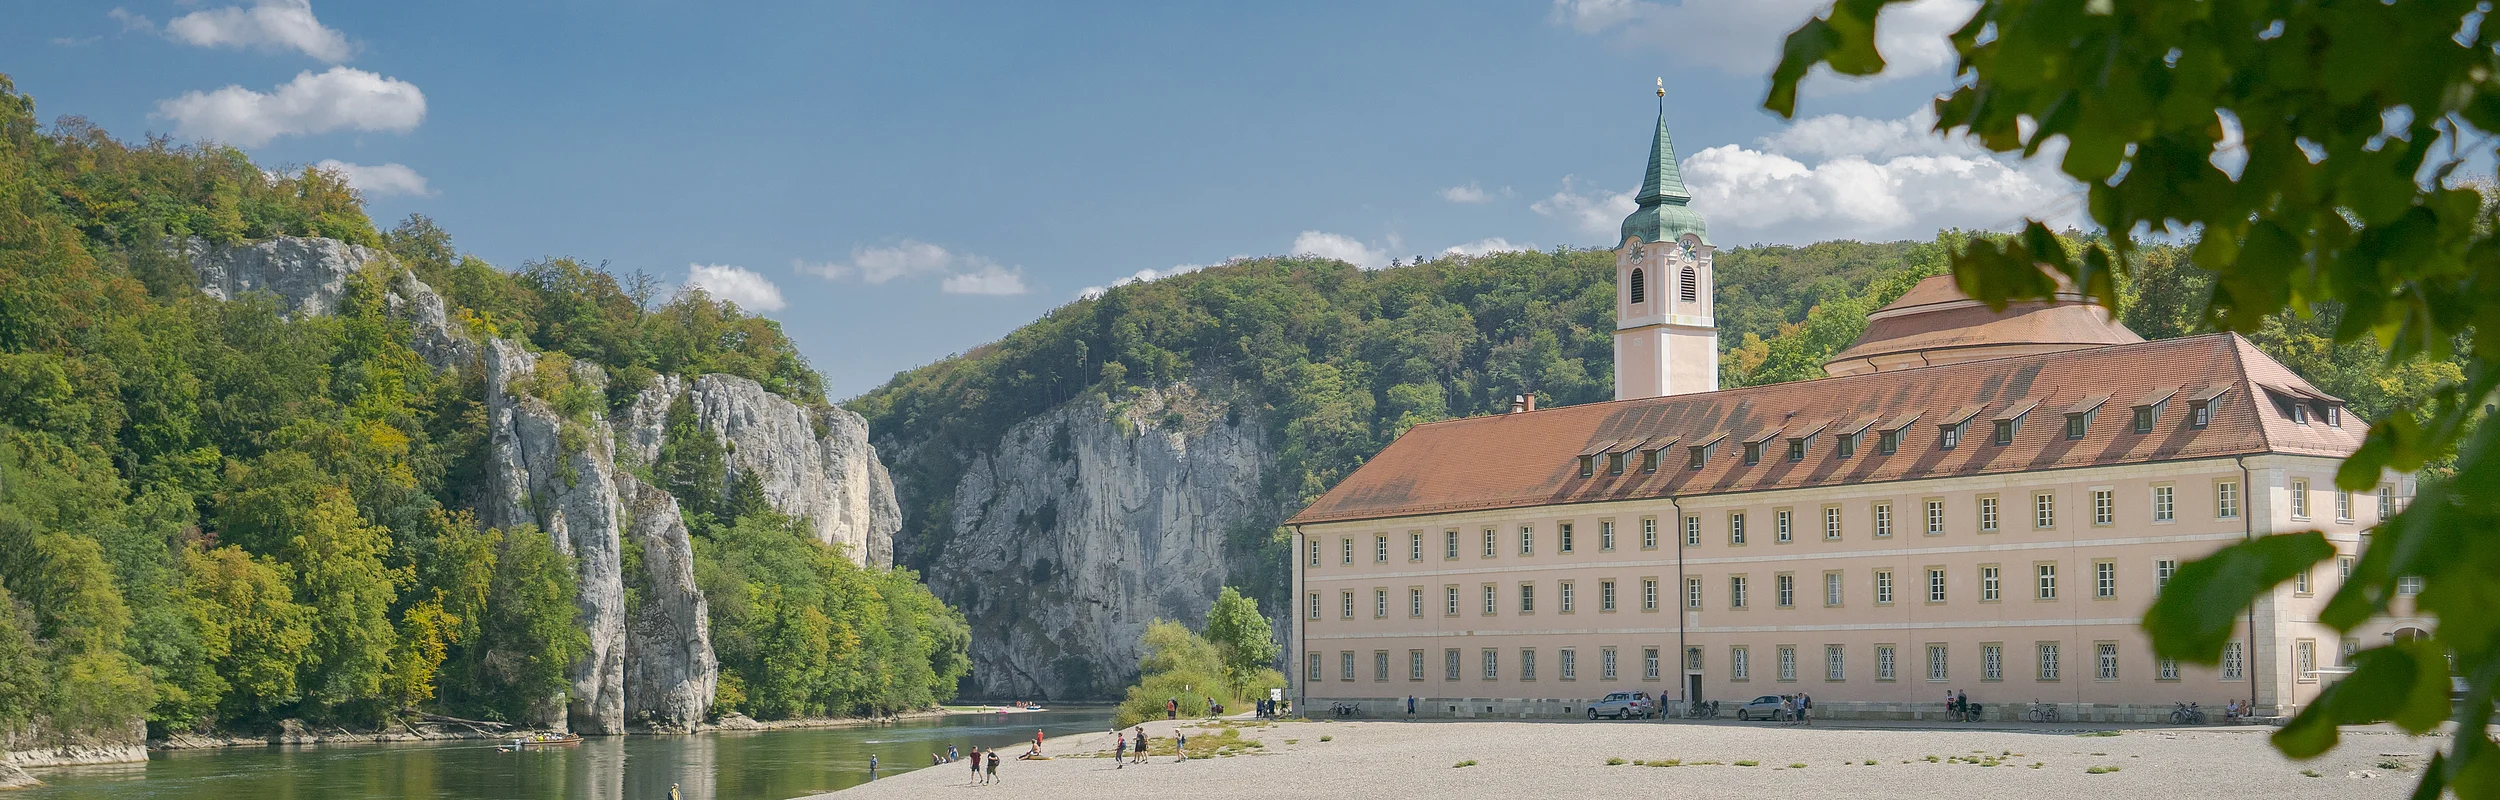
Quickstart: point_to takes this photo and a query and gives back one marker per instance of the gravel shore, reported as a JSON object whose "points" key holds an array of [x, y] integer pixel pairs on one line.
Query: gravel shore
{"points": [[1568, 759]]}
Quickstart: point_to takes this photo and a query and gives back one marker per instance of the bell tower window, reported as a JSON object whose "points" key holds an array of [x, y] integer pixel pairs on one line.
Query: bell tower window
{"points": [[1640, 287], [1691, 289]]}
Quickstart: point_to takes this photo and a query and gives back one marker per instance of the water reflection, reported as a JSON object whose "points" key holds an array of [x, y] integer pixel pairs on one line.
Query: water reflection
{"points": [[756, 765]]}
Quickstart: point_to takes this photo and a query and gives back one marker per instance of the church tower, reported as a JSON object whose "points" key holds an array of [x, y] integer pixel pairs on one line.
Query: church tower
{"points": [[1666, 339]]}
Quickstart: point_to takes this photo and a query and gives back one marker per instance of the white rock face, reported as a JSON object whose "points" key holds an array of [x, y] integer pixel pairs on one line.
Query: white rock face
{"points": [[566, 485], [1083, 526], [307, 274], [670, 671], [810, 463]]}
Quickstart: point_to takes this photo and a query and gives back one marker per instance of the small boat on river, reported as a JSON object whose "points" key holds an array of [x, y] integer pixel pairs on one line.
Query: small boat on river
{"points": [[539, 740]]}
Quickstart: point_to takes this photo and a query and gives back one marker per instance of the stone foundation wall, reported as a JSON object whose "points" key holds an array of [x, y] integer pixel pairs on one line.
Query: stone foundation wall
{"points": [[1574, 708]]}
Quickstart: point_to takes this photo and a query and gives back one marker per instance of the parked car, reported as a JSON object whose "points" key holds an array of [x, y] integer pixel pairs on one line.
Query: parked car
{"points": [[1764, 707], [1624, 705]]}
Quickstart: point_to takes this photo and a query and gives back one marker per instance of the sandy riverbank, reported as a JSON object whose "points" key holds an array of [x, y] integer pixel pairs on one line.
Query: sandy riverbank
{"points": [[1568, 759]]}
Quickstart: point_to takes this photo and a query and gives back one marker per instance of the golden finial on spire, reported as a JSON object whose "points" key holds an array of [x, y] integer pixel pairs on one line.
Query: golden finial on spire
{"points": [[1662, 88]]}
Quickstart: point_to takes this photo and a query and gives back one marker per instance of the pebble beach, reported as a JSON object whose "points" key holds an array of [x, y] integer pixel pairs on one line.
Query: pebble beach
{"points": [[1698, 759]]}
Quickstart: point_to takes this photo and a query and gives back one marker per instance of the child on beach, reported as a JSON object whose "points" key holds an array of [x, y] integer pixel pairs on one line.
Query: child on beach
{"points": [[1119, 751]]}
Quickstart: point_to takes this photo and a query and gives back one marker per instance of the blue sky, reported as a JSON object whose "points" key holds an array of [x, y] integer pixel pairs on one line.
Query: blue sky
{"points": [[895, 182]]}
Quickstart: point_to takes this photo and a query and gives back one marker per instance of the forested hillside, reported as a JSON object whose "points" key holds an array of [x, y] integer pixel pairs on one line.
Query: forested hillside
{"points": [[219, 514]]}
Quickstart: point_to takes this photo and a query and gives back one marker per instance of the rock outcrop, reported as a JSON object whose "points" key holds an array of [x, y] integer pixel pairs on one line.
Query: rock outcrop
{"points": [[1086, 523], [558, 473], [670, 671], [811, 463], [308, 275]]}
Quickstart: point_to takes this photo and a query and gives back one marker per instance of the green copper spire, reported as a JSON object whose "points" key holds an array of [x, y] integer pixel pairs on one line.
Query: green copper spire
{"points": [[1663, 216]]}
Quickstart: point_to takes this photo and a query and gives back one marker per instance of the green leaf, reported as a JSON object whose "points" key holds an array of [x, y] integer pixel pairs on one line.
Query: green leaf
{"points": [[2201, 606]]}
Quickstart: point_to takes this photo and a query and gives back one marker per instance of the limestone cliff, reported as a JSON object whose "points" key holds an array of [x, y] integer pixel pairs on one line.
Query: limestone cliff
{"points": [[815, 464], [1086, 523], [670, 672], [307, 274]]}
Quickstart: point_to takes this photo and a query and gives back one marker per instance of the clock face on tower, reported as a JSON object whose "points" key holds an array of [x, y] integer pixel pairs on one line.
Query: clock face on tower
{"points": [[1688, 250], [1637, 251]]}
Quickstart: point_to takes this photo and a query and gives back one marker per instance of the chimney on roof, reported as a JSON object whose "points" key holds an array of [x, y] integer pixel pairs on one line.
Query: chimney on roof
{"points": [[1518, 403], [1531, 401]]}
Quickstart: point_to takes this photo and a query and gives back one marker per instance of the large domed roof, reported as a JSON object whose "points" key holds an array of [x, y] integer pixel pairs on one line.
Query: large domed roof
{"points": [[1935, 323]]}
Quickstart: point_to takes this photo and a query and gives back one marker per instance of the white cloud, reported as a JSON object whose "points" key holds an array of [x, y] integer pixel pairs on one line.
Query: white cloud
{"points": [[990, 279], [1484, 246], [1596, 212], [131, 22], [1142, 276], [1745, 37], [379, 179], [1852, 177], [269, 25], [745, 287], [340, 98], [76, 41], [1473, 194], [1339, 247], [965, 273]]}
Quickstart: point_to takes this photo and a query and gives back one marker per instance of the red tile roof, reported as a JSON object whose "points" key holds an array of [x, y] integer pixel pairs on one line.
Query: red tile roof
{"points": [[1530, 459], [1936, 319]]}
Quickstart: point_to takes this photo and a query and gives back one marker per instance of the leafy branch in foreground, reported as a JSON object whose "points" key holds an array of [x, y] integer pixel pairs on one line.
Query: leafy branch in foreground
{"points": [[2310, 145]]}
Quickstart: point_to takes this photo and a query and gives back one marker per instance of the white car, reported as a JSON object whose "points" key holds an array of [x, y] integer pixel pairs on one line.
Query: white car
{"points": [[1764, 707], [1624, 705]]}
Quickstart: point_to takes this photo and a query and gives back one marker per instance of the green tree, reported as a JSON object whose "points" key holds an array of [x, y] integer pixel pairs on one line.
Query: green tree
{"points": [[1244, 644], [2350, 117], [526, 633], [338, 568], [254, 637]]}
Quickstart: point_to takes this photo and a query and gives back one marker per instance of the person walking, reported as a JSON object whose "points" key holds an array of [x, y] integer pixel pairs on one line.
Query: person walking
{"points": [[993, 776], [975, 751], [1119, 751], [1410, 705], [1141, 744], [672, 793], [872, 766], [1805, 708], [1172, 708]]}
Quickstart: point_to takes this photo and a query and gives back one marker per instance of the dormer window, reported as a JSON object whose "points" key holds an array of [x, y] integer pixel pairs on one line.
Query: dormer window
{"points": [[1640, 287], [2300, 413], [1845, 446], [2144, 419], [2076, 425], [1949, 436], [1796, 450], [1614, 463], [1700, 455], [1753, 453], [1588, 466], [2200, 413], [2335, 416], [2148, 410], [1649, 461], [1887, 442], [2004, 432], [2005, 424]]}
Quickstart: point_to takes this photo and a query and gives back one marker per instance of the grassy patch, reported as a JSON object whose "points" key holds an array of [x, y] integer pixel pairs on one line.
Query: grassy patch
{"points": [[1749, 763], [1660, 762], [1798, 765], [1467, 763], [2037, 765], [1616, 762], [2311, 773], [2097, 733], [2101, 770], [1327, 738], [1870, 762], [1933, 759], [1293, 741]]}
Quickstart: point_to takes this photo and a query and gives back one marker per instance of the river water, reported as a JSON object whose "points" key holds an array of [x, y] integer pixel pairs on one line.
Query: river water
{"points": [[720, 765]]}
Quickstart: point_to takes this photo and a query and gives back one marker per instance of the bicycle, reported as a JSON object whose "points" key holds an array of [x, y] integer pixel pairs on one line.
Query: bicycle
{"points": [[2042, 712], [2187, 714]]}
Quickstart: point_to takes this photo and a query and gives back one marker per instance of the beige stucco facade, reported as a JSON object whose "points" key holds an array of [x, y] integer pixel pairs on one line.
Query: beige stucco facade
{"points": [[1865, 601]]}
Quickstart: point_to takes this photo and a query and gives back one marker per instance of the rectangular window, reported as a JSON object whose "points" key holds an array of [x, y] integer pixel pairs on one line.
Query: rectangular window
{"points": [[1492, 664], [2165, 504], [1796, 450], [1489, 545], [1649, 663], [1606, 534], [1780, 526], [1788, 663], [1649, 461], [1992, 662], [1887, 442], [2105, 661], [1649, 532], [1449, 544], [1492, 603], [1831, 589], [2200, 413], [1570, 664], [1692, 532], [1936, 670], [1949, 437], [2343, 653], [2343, 505], [2143, 421], [2227, 500], [1346, 545], [1831, 523], [1562, 539], [1345, 603], [1588, 466], [1787, 589], [2166, 669], [1415, 602], [1883, 520], [2105, 579], [1649, 594], [2343, 567], [1449, 664], [1415, 547], [1527, 663], [2004, 432], [1692, 592], [1614, 463], [1312, 605], [2044, 511], [1449, 600], [1605, 595], [1739, 666], [1935, 518], [2048, 582], [1692, 659], [1313, 673], [1345, 665], [2104, 507], [2408, 585], [1753, 453], [1835, 663], [1886, 662], [2234, 661], [1414, 665], [1883, 587], [2048, 661], [2386, 501], [1606, 663], [2300, 499], [1935, 584], [1987, 514], [1527, 540], [1380, 603], [2076, 424], [1696, 456], [1991, 584], [1736, 591], [1735, 529], [1845, 445], [1314, 552], [1566, 596], [1380, 665]]}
